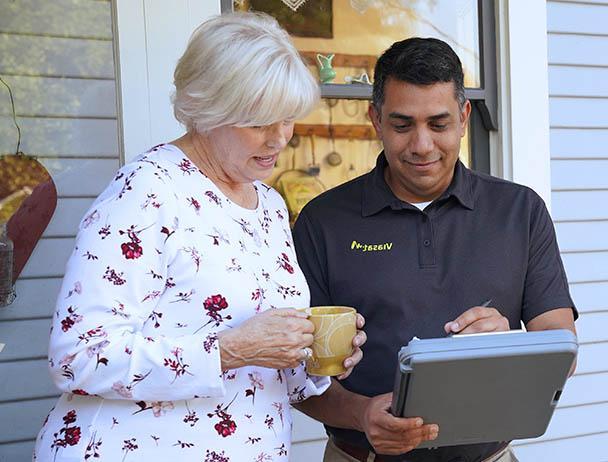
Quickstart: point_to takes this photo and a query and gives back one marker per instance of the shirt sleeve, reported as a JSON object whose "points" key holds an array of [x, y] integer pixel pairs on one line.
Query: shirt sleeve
{"points": [[546, 285], [113, 282], [301, 386], [312, 258]]}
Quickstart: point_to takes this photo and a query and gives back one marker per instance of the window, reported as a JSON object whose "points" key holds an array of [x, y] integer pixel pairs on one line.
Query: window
{"points": [[337, 141]]}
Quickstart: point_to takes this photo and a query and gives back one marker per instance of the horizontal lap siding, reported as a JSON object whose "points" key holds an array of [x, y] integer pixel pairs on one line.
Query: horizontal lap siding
{"points": [[58, 59], [578, 95]]}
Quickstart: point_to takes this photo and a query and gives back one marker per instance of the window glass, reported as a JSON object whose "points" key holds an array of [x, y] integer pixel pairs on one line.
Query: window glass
{"points": [[357, 31]]}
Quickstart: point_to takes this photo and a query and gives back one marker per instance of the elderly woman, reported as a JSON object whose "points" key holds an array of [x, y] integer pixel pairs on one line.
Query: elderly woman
{"points": [[172, 339]]}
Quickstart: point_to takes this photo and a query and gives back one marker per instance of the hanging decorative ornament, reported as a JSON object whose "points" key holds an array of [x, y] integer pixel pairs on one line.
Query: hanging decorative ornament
{"points": [[294, 4], [360, 6]]}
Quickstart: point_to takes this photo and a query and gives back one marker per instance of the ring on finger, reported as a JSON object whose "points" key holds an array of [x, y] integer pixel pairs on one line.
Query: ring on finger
{"points": [[306, 354]]}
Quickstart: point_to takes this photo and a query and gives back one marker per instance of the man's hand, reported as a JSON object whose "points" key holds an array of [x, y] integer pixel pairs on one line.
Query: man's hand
{"points": [[357, 356], [392, 435], [477, 319]]}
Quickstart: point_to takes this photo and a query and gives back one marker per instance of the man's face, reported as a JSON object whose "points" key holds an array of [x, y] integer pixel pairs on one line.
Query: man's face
{"points": [[420, 127]]}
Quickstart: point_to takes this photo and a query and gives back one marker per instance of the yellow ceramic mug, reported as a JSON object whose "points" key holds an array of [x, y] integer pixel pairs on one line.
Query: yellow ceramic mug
{"points": [[335, 327]]}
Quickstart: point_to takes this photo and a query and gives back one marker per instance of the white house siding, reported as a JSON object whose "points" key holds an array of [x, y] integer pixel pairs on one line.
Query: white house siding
{"points": [[578, 91], [58, 58]]}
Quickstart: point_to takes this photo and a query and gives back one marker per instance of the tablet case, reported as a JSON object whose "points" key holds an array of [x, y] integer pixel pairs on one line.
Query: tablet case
{"points": [[484, 388]]}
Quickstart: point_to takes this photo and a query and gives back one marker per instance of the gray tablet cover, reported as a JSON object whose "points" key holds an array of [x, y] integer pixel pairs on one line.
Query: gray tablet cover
{"points": [[483, 388]]}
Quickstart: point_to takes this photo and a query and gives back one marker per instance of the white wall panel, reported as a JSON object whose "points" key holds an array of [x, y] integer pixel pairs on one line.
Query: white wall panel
{"points": [[48, 258], [585, 389], [580, 420], [67, 216], [591, 327], [309, 451], [587, 448], [590, 297], [578, 49], [586, 266], [579, 205], [61, 137], [78, 18], [80, 177], [305, 428], [578, 81], [579, 112], [13, 334], [579, 142], [22, 380], [59, 57], [579, 174], [582, 236], [35, 299], [17, 452], [26, 419], [592, 358], [573, 18], [61, 97]]}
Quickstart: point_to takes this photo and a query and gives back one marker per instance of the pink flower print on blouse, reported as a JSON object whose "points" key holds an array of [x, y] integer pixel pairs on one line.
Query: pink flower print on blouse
{"points": [[210, 342], [93, 448], [194, 204], [91, 218], [226, 426], [256, 382], [212, 456], [125, 390], [67, 435], [213, 198], [104, 231], [263, 457], [283, 262], [187, 167], [191, 418], [218, 236], [71, 319], [114, 277], [213, 305], [158, 408], [177, 364], [129, 445], [132, 250]]}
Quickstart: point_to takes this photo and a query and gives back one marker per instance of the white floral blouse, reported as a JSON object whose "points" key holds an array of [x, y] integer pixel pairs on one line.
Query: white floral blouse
{"points": [[162, 262]]}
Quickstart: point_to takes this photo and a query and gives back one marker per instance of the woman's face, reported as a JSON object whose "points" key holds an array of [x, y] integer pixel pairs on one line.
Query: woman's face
{"points": [[246, 154]]}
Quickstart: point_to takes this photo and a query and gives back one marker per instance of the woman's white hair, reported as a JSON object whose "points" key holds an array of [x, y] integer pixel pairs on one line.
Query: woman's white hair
{"points": [[241, 69]]}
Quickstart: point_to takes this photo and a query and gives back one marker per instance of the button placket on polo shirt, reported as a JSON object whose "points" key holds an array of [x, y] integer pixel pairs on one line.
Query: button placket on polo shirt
{"points": [[426, 245]]}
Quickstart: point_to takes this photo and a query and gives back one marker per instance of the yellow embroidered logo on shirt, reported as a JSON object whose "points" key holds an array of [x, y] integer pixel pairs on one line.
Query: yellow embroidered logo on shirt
{"points": [[371, 247]]}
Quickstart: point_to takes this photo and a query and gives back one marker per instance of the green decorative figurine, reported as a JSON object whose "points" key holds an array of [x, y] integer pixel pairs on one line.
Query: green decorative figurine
{"points": [[326, 72]]}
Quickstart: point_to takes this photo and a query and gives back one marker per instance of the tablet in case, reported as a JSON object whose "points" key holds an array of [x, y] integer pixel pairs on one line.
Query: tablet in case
{"points": [[484, 388]]}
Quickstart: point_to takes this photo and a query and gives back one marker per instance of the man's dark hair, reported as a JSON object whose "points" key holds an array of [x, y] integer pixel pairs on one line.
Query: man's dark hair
{"points": [[419, 61]]}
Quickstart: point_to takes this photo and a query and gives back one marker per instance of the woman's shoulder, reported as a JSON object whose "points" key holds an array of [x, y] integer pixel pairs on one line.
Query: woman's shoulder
{"points": [[150, 174], [270, 196]]}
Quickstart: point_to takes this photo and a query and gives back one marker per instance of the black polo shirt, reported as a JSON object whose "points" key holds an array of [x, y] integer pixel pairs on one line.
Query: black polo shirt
{"points": [[410, 271]]}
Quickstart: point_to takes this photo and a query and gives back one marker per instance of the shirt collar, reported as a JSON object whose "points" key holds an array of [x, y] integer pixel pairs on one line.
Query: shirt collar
{"points": [[377, 195]]}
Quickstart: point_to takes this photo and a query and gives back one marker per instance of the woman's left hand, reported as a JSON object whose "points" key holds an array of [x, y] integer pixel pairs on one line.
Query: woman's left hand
{"points": [[357, 355]]}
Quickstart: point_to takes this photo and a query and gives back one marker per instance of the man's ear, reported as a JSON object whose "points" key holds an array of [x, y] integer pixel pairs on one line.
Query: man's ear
{"points": [[374, 115], [465, 114]]}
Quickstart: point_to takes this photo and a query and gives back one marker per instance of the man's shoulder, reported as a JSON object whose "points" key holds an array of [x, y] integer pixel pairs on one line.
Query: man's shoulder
{"points": [[500, 190], [347, 195]]}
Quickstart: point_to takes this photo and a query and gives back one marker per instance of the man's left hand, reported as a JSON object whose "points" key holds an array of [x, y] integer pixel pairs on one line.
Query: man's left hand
{"points": [[357, 355], [478, 319]]}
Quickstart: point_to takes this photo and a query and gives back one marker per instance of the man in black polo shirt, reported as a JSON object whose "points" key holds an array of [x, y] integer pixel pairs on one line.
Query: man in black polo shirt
{"points": [[417, 246]]}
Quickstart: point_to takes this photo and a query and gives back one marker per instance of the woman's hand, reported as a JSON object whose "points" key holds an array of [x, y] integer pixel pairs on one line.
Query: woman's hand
{"points": [[357, 356], [275, 339]]}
